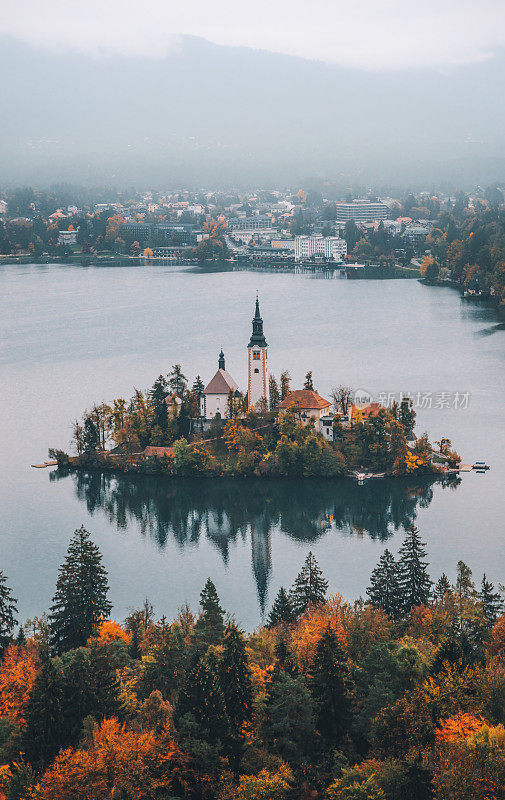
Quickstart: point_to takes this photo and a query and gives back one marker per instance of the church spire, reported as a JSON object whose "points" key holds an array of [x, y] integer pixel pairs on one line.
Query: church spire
{"points": [[258, 337], [221, 360]]}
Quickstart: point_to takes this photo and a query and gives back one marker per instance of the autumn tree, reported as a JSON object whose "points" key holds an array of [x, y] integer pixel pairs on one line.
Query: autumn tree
{"points": [[342, 398], [8, 609], [80, 601]]}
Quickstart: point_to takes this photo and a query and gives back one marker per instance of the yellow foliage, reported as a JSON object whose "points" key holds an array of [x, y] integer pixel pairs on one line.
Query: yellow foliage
{"points": [[110, 631], [308, 630], [265, 785]]}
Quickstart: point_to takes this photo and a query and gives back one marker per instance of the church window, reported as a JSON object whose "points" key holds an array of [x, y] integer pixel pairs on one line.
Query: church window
{"points": [[256, 356], [256, 370]]}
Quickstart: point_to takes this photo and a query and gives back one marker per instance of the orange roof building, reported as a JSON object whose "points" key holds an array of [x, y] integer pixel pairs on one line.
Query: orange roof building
{"points": [[307, 404]]}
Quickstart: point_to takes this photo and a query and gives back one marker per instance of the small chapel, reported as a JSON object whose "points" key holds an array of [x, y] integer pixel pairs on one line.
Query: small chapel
{"points": [[214, 400]]}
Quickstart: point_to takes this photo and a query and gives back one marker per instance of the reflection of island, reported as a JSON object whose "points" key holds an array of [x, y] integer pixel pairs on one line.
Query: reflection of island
{"points": [[224, 510]]}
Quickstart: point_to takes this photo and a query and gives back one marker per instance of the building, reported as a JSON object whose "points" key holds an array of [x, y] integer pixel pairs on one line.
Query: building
{"points": [[258, 388], [214, 400], [257, 222], [330, 247], [307, 405], [67, 237], [416, 235], [361, 211]]}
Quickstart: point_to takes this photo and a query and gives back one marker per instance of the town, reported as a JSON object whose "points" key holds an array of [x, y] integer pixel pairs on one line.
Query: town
{"points": [[437, 237]]}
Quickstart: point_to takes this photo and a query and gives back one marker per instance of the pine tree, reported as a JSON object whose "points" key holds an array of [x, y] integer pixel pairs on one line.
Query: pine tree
{"points": [[309, 588], [414, 581], [202, 698], [464, 587], [285, 661], [407, 415], [308, 384], [285, 384], [158, 395], [236, 686], [282, 609], [42, 737], [492, 603], [81, 600], [177, 380], [275, 395], [327, 684], [8, 609], [209, 627], [384, 590], [442, 587]]}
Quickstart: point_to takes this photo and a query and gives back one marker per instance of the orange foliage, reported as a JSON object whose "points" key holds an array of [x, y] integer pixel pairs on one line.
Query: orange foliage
{"points": [[309, 628], [496, 647], [119, 763], [18, 671], [458, 727], [110, 631]]}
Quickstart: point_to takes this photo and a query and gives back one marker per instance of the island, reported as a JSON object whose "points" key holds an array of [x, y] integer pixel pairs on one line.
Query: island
{"points": [[271, 430]]}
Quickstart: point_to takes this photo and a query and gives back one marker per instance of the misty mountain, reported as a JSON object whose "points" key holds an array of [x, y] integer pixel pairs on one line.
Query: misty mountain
{"points": [[211, 115]]}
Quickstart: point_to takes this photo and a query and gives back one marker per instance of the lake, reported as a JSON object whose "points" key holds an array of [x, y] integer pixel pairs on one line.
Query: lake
{"points": [[71, 336]]}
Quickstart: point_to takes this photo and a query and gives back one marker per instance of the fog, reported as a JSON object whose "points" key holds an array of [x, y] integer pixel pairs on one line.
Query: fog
{"points": [[207, 114]]}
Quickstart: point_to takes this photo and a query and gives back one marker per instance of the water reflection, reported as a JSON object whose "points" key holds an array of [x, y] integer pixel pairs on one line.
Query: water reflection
{"points": [[227, 510]]}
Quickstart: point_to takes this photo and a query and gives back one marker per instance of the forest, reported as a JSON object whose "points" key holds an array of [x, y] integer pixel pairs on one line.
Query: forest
{"points": [[397, 695]]}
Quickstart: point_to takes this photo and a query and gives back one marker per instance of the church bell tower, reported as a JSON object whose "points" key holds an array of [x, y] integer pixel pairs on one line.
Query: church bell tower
{"points": [[258, 386]]}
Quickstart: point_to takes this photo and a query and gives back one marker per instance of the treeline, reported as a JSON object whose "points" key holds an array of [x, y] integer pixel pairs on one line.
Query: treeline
{"points": [[249, 443], [399, 696]]}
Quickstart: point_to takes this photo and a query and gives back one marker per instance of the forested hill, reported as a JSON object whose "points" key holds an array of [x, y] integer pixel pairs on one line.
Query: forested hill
{"points": [[232, 115]]}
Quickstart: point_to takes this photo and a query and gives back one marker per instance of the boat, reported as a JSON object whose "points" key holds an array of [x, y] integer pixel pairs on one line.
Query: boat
{"points": [[480, 466]]}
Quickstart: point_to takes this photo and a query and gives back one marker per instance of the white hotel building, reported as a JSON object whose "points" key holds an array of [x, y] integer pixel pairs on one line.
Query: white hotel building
{"points": [[327, 246]]}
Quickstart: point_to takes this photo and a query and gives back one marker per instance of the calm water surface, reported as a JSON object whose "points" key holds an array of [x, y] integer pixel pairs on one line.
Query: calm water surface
{"points": [[70, 336]]}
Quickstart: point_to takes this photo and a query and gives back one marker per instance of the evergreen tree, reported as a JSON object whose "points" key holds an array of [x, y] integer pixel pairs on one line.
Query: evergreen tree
{"points": [[209, 627], [288, 722], [177, 380], [81, 600], [282, 609], [309, 588], [236, 686], [442, 587], [42, 737], [91, 438], [8, 609], [414, 581], [407, 415], [285, 384], [203, 701], [464, 587], [275, 395], [492, 603], [284, 659], [384, 590], [308, 383], [158, 395], [328, 687], [198, 390]]}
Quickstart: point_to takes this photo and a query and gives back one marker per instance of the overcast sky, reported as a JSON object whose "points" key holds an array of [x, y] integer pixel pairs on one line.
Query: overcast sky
{"points": [[372, 34]]}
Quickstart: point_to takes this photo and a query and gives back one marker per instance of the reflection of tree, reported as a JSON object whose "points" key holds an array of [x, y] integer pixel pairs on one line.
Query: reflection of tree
{"points": [[223, 510]]}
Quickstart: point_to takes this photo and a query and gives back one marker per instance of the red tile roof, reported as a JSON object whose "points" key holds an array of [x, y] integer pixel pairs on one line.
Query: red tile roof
{"points": [[158, 452], [368, 410], [304, 399]]}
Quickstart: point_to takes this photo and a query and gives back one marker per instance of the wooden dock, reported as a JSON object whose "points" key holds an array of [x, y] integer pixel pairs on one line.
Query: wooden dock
{"points": [[45, 464]]}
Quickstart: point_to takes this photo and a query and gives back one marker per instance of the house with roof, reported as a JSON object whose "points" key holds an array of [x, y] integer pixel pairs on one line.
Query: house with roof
{"points": [[214, 399], [361, 412], [307, 405]]}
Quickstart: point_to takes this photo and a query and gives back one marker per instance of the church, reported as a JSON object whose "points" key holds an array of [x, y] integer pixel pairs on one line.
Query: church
{"points": [[214, 401]]}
